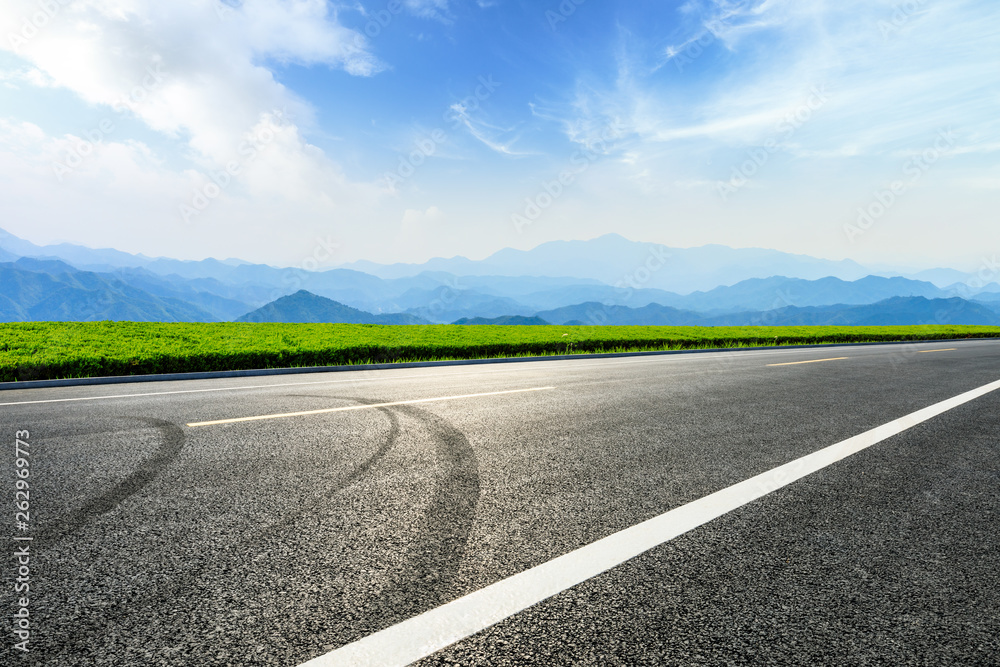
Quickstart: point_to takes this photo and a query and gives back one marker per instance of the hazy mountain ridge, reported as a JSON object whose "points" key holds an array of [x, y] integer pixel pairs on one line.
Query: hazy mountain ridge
{"points": [[303, 306], [168, 289], [518, 320], [614, 260], [781, 291], [892, 311], [72, 295]]}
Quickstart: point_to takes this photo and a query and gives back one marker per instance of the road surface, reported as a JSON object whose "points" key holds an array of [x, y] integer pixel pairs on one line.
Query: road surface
{"points": [[272, 521]]}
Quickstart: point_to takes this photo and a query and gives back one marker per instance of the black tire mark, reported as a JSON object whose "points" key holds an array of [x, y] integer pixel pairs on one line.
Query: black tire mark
{"points": [[425, 580], [428, 578], [194, 581], [350, 479], [172, 442]]}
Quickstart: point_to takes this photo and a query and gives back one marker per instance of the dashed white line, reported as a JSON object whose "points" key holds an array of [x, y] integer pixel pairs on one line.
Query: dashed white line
{"points": [[241, 387], [810, 361], [708, 356], [432, 631], [479, 371], [368, 406]]}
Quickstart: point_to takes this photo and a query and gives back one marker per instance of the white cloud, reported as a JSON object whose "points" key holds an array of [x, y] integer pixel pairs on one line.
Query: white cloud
{"points": [[434, 9], [28, 75], [47, 194], [416, 218], [496, 138], [285, 195], [193, 69], [419, 232], [196, 71]]}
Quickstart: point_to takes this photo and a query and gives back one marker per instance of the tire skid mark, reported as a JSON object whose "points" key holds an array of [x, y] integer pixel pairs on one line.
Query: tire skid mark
{"points": [[170, 448], [425, 579], [436, 554], [359, 471], [187, 583]]}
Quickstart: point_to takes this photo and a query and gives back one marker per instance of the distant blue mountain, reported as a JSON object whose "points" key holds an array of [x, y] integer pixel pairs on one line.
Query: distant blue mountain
{"points": [[780, 291], [519, 320], [303, 306], [893, 311], [38, 290], [444, 305], [613, 259], [609, 271], [595, 313]]}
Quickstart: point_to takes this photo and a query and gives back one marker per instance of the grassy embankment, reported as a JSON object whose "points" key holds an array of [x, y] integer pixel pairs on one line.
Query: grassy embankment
{"points": [[42, 350]]}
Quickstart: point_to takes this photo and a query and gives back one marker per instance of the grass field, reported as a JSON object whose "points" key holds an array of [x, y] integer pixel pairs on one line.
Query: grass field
{"points": [[45, 350]]}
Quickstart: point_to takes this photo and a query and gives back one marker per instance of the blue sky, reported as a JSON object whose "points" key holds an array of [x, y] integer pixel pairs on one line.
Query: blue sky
{"points": [[401, 130]]}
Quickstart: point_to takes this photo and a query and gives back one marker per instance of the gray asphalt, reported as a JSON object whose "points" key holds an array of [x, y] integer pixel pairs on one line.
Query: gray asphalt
{"points": [[272, 542]]}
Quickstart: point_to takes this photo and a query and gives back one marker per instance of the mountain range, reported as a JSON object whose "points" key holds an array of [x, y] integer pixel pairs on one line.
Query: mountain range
{"points": [[304, 306], [614, 260], [631, 282], [892, 311]]}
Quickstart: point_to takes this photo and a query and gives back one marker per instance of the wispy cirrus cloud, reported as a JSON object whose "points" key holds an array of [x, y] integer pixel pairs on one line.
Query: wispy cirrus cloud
{"points": [[433, 9], [889, 77], [498, 139]]}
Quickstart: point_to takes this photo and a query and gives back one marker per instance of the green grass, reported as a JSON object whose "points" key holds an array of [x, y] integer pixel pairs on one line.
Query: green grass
{"points": [[45, 350]]}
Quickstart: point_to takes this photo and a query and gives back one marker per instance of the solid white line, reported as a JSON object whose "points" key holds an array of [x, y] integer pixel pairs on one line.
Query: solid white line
{"points": [[370, 406], [810, 361], [432, 631]]}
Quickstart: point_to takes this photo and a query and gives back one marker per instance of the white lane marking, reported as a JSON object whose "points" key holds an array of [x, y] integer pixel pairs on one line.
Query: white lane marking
{"points": [[432, 631], [443, 371], [707, 356], [371, 406], [810, 361], [241, 387]]}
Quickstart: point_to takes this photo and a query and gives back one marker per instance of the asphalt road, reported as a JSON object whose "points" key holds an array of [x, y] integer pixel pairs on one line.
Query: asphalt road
{"points": [[273, 541]]}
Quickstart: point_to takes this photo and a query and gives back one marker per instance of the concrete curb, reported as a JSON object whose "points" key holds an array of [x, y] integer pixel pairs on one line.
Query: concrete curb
{"points": [[210, 375]]}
